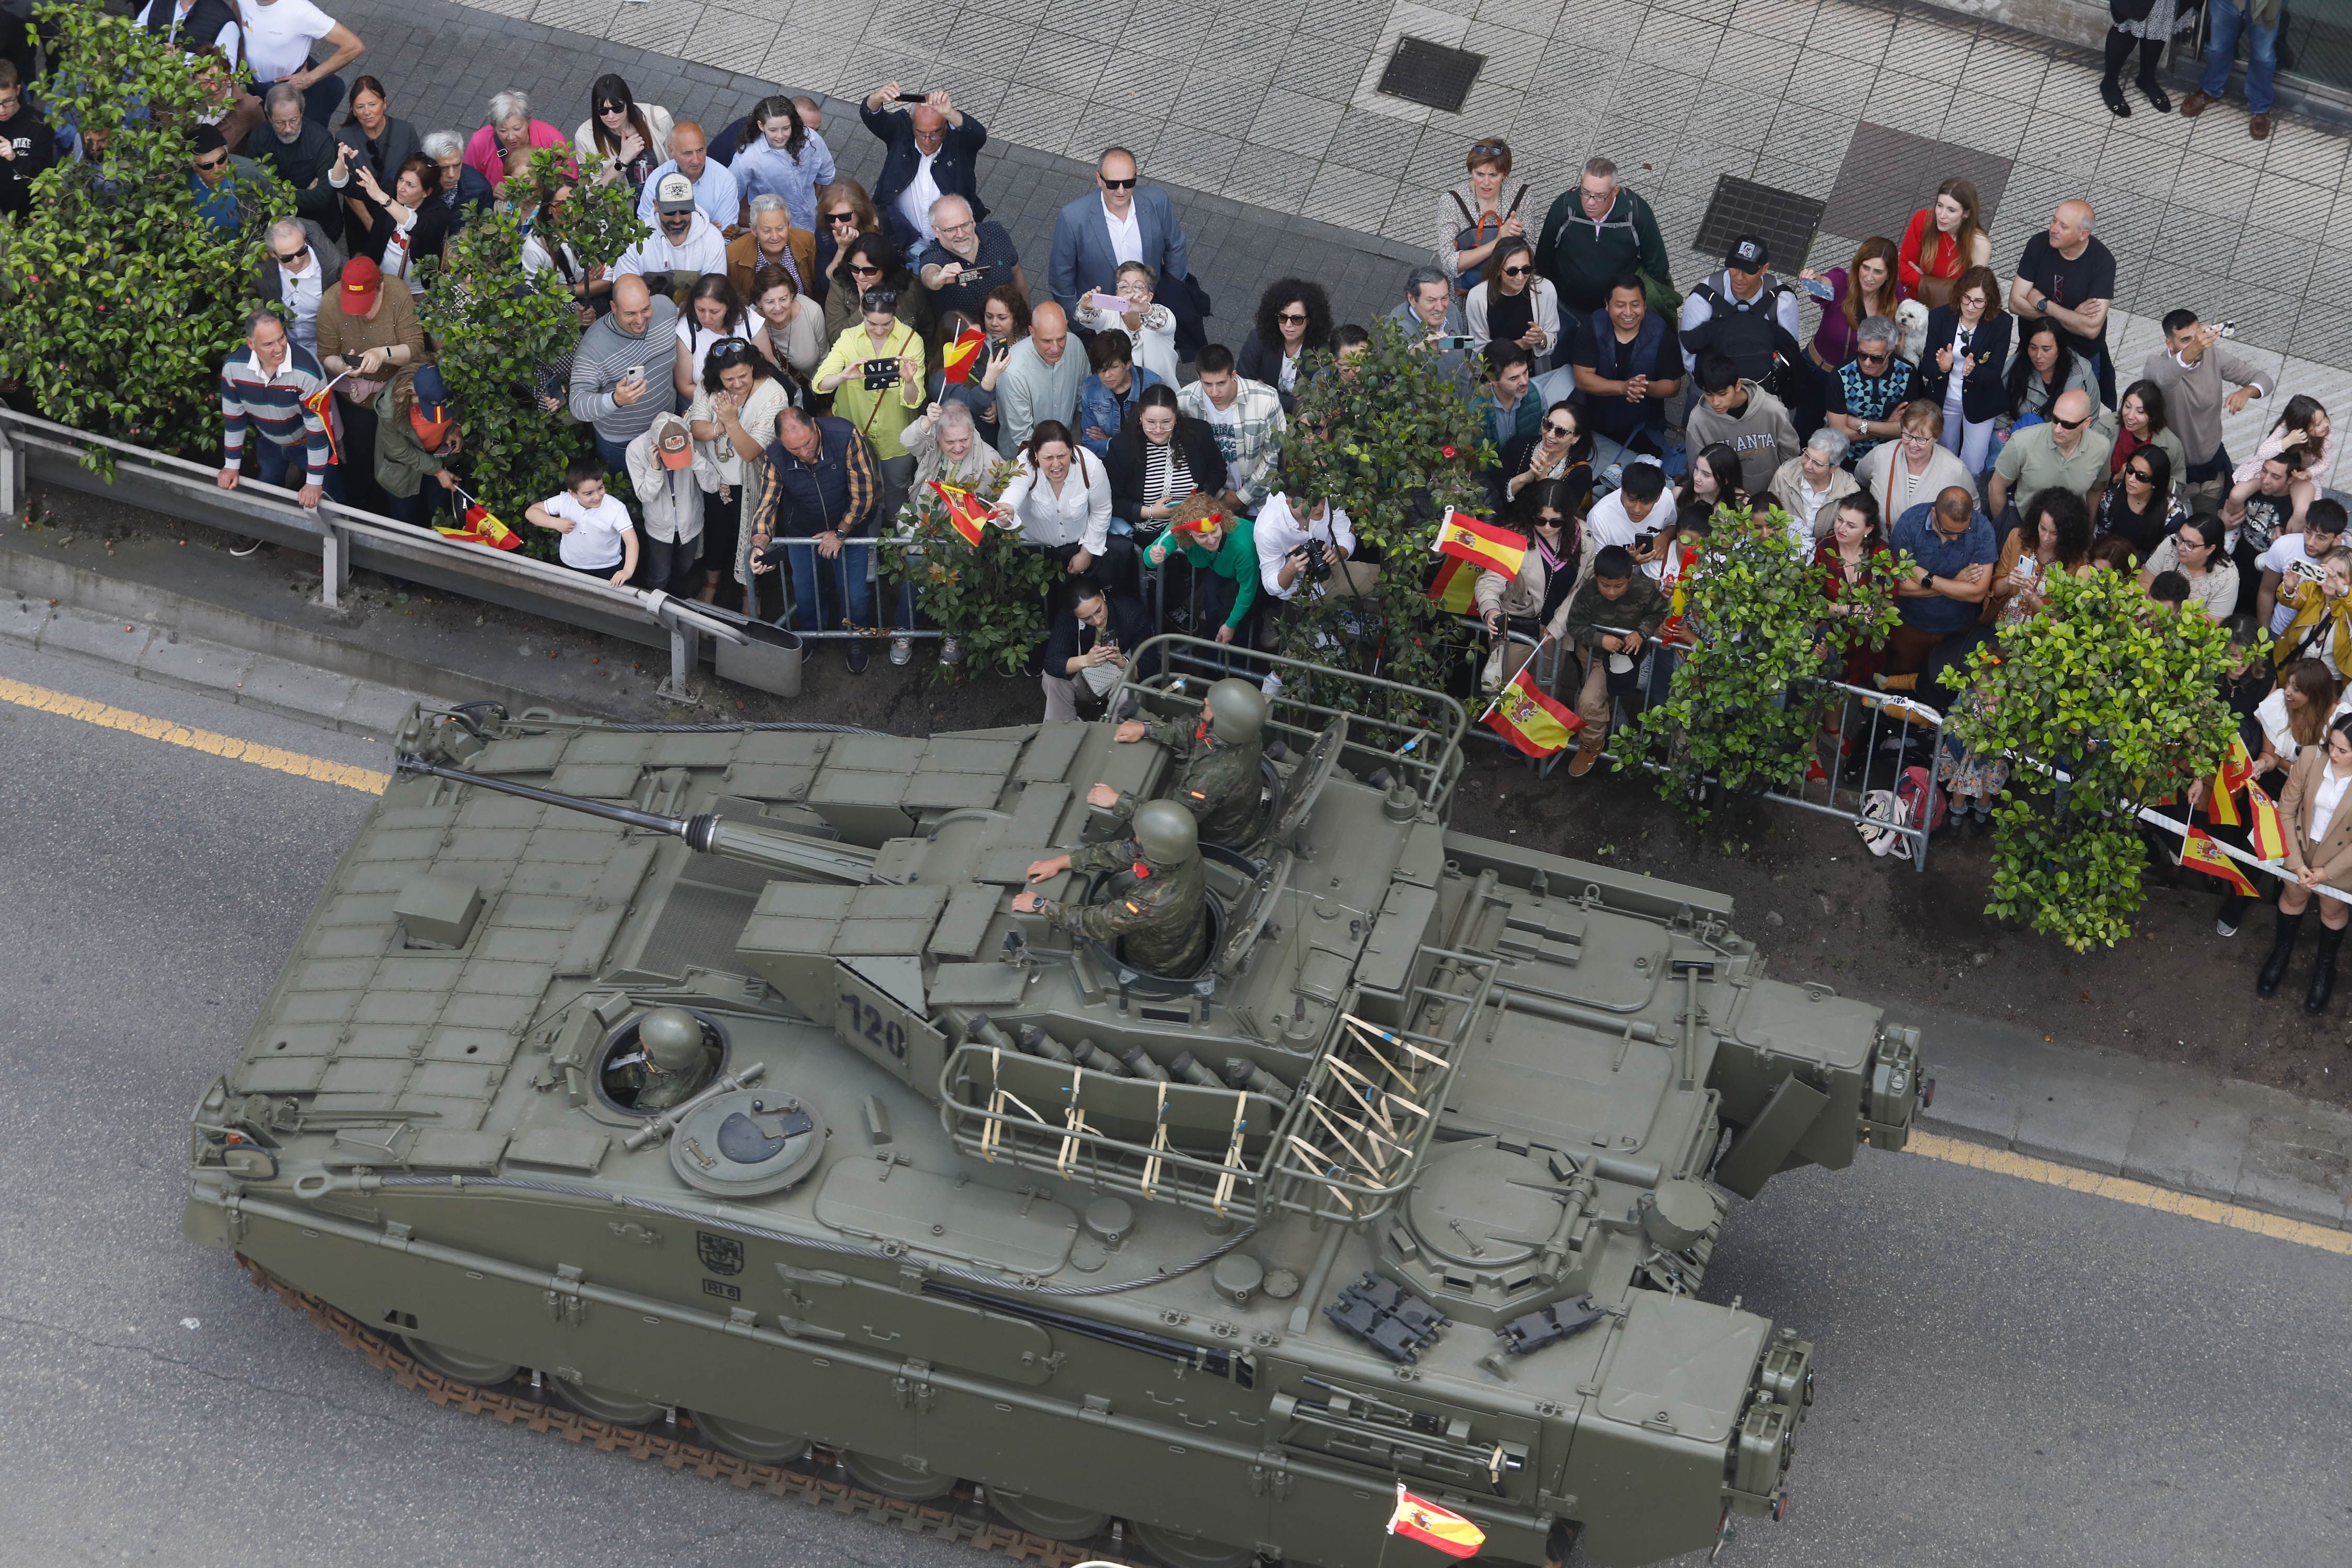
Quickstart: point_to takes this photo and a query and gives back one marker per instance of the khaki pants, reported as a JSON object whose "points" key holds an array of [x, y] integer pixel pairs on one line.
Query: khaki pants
{"points": [[1593, 696]]}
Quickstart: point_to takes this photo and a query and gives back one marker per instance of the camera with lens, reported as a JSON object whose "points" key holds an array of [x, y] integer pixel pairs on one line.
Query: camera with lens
{"points": [[1319, 560]]}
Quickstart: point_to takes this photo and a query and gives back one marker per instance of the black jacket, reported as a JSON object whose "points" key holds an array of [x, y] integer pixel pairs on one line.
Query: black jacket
{"points": [[36, 146], [1259, 363], [384, 156], [474, 195], [1982, 394], [955, 171], [304, 164], [1124, 461], [1129, 627]]}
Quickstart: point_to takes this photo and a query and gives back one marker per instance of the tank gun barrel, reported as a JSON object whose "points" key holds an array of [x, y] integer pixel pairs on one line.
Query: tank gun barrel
{"points": [[706, 832]]}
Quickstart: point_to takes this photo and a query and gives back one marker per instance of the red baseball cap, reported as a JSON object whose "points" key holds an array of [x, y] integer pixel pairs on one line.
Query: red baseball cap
{"points": [[361, 279]]}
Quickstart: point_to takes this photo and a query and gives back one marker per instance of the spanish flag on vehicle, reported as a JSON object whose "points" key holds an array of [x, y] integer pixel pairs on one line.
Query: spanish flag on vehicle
{"points": [[1480, 544], [965, 512], [1422, 1521], [959, 358], [2198, 849], [1535, 723]]}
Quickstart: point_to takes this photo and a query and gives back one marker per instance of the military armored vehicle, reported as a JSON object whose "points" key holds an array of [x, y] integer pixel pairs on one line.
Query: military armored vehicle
{"points": [[706, 1080]]}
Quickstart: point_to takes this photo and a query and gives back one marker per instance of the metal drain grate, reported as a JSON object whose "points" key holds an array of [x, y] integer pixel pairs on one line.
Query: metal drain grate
{"points": [[1783, 220], [1433, 75]]}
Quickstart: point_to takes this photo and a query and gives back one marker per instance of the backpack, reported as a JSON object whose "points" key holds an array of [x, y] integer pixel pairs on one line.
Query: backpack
{"points": [[1787, 378], [1915, 801]]}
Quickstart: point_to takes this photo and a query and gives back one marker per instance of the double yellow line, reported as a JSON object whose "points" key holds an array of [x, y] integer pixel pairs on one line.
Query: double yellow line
{"points": [[67, 706]]}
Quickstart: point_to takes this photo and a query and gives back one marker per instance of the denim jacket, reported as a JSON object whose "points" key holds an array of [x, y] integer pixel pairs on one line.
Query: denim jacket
{"points": [[1105, 410]]}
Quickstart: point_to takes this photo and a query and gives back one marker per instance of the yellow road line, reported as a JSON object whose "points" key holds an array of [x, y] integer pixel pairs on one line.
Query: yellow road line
{"points": [[2025, 1167], [365, 780]]}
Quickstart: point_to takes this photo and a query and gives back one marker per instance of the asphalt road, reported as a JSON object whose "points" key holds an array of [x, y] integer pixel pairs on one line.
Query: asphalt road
{"points": [[2008, 1374]]}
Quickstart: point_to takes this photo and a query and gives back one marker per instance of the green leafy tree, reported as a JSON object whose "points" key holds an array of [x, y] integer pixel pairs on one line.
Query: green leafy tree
{"points": [[1741, 712], [990, 596], [1392, 440], [2123, 696], [118, 300], [503, 332]]}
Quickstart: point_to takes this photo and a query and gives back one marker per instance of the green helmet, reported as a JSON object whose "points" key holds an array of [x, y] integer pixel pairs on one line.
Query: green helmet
{"points": [[671, 1038], [1237, 711], [1166, 833]]}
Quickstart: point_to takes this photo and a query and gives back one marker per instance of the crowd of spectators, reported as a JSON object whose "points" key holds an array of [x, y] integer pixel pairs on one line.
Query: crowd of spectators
{"points": [[764, 382]]}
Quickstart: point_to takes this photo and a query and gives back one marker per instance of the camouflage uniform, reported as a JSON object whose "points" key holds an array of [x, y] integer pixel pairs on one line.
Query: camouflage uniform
{"points": [[659, 1090], [1221, 785], [1159, 913]]}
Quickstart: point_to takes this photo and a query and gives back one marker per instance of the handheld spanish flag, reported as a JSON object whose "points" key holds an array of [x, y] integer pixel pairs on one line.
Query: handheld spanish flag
{"points": [[962, 357], [965, 512], [2236, 770], [2269, 839], [1480, 544], [479, 527], [2199, 849], [1535, 723], [1421, 1520], [321, 403], [1675, 581], [1455, 588]]}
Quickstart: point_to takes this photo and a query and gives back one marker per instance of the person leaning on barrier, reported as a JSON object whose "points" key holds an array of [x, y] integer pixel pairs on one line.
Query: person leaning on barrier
{"points": [[1536, 600], [1094, 635], [1223, 782], [1154, 905]]}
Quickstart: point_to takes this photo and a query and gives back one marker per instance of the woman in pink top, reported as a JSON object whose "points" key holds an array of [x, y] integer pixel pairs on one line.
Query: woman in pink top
{"points": [[510, 127]]}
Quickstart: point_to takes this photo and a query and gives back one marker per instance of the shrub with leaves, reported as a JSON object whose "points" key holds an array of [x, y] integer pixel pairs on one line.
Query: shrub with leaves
{"points": [[1391, 440], [505, 333], [1739, 711], [991, 596], [118, 301], [2124, 697]]}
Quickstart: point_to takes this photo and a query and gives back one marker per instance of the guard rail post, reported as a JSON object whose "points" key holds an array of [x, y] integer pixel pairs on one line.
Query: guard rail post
{"points": [[334, 563], [686, 628], [12, 478]]}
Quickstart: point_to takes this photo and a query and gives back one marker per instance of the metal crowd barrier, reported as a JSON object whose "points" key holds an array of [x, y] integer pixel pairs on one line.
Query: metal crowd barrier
{"points": [[343, 537]]}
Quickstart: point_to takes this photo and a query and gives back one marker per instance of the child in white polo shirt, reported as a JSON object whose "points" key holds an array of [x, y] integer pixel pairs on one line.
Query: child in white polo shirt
{"points": [[598, 537]]}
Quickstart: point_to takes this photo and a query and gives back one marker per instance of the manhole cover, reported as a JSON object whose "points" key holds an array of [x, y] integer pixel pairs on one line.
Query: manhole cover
{"points": [[1433, 75], [1785, 221]]}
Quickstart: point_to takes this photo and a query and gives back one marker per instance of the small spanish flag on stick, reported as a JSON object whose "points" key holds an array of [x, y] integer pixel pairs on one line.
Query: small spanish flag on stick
{"points": [[479, 528], [1480, 544], [2237, 769], [1455, 588], [966, 514], [2199, 849], [962, 357], [1420, 1520], [1535, 723], [2269, 839]]}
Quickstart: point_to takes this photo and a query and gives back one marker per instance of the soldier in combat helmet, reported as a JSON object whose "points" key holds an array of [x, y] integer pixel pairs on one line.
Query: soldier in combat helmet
{"points": [[670, 1065], [1223, 784], [1156, 900]]}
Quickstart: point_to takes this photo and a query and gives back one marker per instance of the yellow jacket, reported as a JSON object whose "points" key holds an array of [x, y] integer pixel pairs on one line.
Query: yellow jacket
{"points": [[880, 415]]}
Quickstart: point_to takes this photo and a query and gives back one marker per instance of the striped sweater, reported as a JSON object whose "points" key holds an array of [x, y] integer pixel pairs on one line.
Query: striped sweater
{"points": [[273, 405]]}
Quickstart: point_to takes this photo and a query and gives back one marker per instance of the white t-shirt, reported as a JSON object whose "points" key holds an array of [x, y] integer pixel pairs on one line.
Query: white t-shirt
{"points": [[278, 35], [698, 340], [595, 544], [228, 38], [1607, 524], [2281, 557]]}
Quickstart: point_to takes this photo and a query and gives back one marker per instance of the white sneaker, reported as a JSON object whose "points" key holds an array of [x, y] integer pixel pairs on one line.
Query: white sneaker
{"points": [[902, 649]]}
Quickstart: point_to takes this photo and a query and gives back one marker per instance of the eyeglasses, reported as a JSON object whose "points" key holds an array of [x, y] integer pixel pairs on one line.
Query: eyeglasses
{"points": [[1111, 184], [217, 161], [2069, 424], [612, 108], [290, 258], [1919, 438], [1294, 318], [1871, 359], [2143, 475], [1562, 431], [1516, 271], [858, 272], [841, 217]]}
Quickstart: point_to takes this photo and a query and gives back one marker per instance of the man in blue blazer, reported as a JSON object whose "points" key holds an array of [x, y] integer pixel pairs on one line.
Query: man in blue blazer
{"points": [[1086, 254], [933, 153]]}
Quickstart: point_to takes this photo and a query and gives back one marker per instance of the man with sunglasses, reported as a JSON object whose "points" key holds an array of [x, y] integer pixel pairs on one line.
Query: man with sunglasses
{"points": [[1867, 395], [2064, 453], [27, 145], [300, 267], [218, 182], [1123, 220]]}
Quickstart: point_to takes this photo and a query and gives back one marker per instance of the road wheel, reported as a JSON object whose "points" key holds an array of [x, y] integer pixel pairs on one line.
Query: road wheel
{"points": [[604, 1405], [1042, 1516], [1180, 1549], [460, 1366], [896, 1478], [745, 1441]]}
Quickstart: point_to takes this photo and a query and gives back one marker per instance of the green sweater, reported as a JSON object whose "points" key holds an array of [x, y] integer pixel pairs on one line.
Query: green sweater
{"points": [[1582, 257], [1236, 557]]}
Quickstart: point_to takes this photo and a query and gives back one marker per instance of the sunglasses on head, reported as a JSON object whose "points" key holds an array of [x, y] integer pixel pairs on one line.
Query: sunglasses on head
{"points": [[1109, 184], [1488, 150]]}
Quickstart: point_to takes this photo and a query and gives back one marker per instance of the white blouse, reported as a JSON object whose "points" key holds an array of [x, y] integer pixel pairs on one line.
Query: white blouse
{"points": [[1079, 515], [2324, 799]]}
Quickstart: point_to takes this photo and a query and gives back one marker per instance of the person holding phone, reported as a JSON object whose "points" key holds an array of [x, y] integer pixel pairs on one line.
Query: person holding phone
{"points": [[1086, 651], [611, 390], [965, 257], [875, 371], [1151, 326], [1432, 318]]}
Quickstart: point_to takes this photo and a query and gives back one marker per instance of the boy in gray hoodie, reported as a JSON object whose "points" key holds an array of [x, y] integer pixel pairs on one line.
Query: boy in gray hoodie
{"points": [[1743, 416]]}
